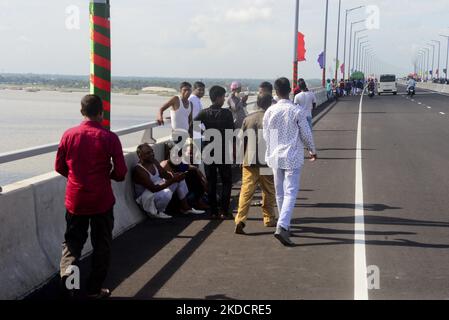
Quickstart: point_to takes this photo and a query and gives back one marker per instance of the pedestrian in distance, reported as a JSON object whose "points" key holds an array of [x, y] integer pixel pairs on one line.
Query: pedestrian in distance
{"points": [[237, 103]]}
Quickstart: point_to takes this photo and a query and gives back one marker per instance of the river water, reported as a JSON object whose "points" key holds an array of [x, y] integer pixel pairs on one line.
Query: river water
{"points": [[30, 119]]}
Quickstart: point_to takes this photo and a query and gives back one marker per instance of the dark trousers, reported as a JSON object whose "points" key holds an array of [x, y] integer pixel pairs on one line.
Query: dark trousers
{"points": [[101, 226], [225, 171]]}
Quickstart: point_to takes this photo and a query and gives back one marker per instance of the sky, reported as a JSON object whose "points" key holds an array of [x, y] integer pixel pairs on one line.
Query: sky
{"points": [[211, 38]]}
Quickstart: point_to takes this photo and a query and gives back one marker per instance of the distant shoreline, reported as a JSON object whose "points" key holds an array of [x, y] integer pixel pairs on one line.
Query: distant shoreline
{"points": [[160, 91]]}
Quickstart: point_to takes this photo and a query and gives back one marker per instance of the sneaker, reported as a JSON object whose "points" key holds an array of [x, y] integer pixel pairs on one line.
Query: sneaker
{"points": [[239, 228], [103, 294], [271, 224], [160, 215], [195, 211], [283, 236]]}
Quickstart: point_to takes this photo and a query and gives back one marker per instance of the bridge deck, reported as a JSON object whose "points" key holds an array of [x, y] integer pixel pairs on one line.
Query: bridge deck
{"points": [[406, 222]]}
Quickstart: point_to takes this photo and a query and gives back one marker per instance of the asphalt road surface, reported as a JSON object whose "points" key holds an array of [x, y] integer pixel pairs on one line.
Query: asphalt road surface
{"points": [[371, 221]]}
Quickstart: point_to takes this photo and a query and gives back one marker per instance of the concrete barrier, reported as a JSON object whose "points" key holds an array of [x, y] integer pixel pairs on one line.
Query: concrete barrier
{"points": [[23, 263], [32, 226], [437, 87]]}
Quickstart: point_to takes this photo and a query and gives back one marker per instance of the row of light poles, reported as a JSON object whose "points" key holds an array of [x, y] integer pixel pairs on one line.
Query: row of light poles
{"points": [[424, 63], [361, 55]]}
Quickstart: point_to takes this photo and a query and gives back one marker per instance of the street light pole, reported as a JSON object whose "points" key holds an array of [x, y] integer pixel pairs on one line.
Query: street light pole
{"points": [[338, 42], [364, 50], [355, 37], [325, 44], [346, 34], [295, 48], [433, 58], [359, 57], [428, 61], [350, 45], [356, 61], [439, 52], [447, 55]]}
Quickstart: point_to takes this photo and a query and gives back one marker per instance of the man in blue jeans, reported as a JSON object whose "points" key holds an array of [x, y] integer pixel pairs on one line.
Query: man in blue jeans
{"points": [[286, 132]]}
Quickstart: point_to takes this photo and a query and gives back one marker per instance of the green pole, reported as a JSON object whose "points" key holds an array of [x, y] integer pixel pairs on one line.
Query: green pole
{"points": [[100, 55]]}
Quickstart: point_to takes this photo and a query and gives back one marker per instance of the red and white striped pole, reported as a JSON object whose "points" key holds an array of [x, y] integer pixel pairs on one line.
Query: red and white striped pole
{"points": [[100, 59]]}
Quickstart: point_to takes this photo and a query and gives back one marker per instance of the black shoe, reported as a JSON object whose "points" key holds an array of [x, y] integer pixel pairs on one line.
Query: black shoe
{"points": [[239, 228], [284, 237], [66, 294], [103, 294]]}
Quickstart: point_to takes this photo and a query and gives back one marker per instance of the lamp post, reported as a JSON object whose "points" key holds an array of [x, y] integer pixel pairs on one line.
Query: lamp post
{"points": [[338, 42], [439, 52], [359, 54], [295, 48], [325, 44], [364, 50], [421, 64], [433, 58], [447, 55], [350, 45], [356, 61], [428, 60], [368, 53], [348, 11], [355, 37]]}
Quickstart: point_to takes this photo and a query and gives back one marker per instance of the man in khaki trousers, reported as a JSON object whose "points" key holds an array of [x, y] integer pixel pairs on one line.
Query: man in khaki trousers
{"points": [[255, 172]]}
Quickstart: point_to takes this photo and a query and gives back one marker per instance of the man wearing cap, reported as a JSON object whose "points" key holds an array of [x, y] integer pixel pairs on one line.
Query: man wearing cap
{"points": [[237, 104]]}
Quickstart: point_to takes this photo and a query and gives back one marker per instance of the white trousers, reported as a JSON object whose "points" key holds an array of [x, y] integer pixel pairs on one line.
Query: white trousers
{"points": [[158, 202], [287, 183]]}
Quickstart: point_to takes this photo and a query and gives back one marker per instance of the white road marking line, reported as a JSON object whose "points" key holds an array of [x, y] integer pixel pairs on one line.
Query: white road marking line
{"points": [[360, 269]]}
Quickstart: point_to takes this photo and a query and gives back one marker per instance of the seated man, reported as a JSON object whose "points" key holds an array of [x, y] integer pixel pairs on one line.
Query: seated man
{"points": [[195, 179], [155, 186]]}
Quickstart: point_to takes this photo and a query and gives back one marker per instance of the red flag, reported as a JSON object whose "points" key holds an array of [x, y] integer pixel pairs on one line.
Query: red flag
{"points": [[301, 56], [342, 68]]}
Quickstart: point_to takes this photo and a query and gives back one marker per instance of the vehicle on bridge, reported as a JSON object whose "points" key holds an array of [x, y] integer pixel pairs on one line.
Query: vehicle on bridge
{"points": [[387, 84]]}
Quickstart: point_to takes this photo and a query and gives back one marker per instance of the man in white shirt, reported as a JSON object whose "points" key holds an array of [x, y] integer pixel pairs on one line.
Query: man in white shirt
{"points": [[199, 90], [286, 132], [307, 100]]}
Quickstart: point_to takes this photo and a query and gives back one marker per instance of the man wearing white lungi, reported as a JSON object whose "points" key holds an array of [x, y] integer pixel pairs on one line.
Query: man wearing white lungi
{"points": [[286, 132]]}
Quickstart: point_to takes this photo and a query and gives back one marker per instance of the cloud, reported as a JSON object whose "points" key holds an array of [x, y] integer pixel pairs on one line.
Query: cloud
{"points": [[248, 14]]}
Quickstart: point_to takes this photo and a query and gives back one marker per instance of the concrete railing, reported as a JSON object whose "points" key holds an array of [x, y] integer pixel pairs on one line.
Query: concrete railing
{"points": [[438, 87], [32, 226], [32, 218]]}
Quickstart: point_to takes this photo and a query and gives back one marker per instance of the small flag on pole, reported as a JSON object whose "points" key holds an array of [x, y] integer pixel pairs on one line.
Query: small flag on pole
{"points": [[342, 68], [321, 60], [301, 55]]}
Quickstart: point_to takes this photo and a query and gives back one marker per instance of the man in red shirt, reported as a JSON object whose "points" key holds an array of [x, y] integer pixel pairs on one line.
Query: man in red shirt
{"points": [[84, 158]]}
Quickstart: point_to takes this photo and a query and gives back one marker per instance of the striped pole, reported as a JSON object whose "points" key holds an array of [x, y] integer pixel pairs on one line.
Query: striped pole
{"points": [[100, 56], [295, 47]]}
